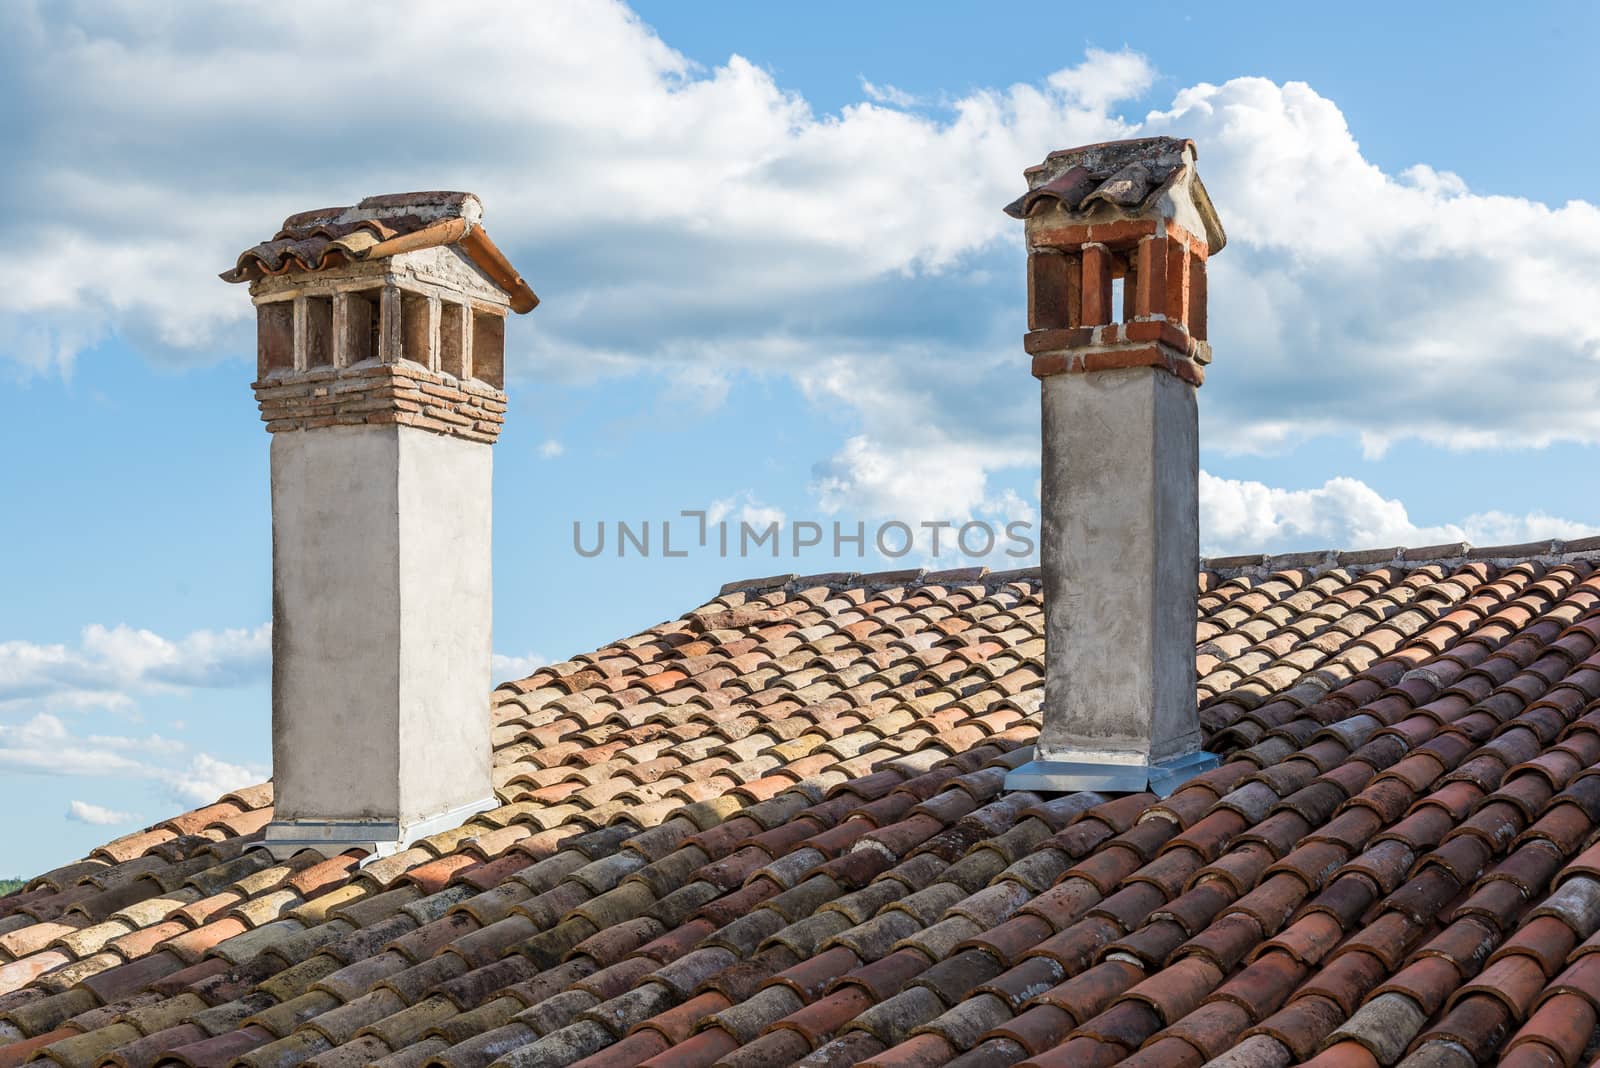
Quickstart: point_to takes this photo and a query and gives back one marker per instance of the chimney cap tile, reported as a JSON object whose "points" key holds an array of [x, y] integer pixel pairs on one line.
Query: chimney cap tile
{"points": [[1146, 177], [381, 226]]}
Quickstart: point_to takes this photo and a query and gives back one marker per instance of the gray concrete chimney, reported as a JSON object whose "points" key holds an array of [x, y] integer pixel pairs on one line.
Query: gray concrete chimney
{"points": [[1120, 538], [380, 362]]}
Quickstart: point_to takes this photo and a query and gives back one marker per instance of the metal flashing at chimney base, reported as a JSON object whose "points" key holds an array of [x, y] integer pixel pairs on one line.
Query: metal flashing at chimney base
{"points": [[1066, 776], [379, 837]]}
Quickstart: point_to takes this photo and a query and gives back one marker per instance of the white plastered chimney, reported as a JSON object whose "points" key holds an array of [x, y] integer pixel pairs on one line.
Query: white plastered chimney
{"points": [[380, 350]]}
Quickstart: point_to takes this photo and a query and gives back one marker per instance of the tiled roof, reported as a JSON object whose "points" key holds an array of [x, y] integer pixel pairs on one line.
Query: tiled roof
{"points": [[382, 226], [774, 831]]}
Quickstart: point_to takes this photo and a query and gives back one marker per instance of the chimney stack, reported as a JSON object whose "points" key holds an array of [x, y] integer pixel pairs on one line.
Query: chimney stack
{"points": [[380, 364], [1120, 539]]}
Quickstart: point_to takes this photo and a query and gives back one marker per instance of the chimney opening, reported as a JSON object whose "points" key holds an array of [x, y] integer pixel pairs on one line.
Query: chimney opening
{"points": [[361, 325], [319, 332], [489, 348], [416, 328], [1053, 298], [453, 337], [274, 338]]}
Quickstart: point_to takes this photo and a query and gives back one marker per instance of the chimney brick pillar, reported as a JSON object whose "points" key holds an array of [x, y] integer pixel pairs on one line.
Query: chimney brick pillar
{"points": [[1120, 462]]}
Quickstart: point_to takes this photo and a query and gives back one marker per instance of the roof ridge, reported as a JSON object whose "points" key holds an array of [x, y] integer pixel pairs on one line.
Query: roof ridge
{"points": [[1546, 551]]}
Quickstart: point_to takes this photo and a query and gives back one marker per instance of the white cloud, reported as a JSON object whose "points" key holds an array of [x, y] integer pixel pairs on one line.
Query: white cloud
{"points": [[97, 815], [742, 508], [888, 94], [1385, 306], [206, 778], [1239, 516], [861, 254], [46, 745], [515, 667], [551, 449], [115, 668], [111, 666], [738, 205], [1104, 79]]}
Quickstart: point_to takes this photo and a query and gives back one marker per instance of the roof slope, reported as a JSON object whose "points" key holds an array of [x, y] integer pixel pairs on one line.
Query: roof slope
{"points": [[774, 831]]}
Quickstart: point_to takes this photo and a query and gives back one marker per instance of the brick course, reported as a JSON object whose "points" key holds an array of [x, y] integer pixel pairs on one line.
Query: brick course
{"points": [[389, 394]]}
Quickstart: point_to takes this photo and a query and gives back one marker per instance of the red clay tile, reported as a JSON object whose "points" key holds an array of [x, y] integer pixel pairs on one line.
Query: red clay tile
{"points": [[1546, 939], [919, 1051], [1088, 994], [1211, 1029], [1263, 985], [1428, 980], [1343, 1055], [1348, 979], [822, 1018], [1302, 1024], [698, 1051], [1563, 1025], [1180, 988], [1166, 1053], [1513, 981], [677, 1023], [1478, 1023], [1038, 1028]]}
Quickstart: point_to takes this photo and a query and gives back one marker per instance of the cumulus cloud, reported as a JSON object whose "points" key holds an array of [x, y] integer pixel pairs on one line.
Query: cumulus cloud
{"points": [[504, 667], [205, 778], [51, 695], [111, 666], [743, 508], [711, 223], [933, 479], [44, 744], [1239, 516], [892, 95], [97, 815], [47, 745], [1386, 306], [551, 448], [731, 195]]}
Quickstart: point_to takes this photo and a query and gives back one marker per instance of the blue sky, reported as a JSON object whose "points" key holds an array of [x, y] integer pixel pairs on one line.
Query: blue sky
{"points": [[776, 282]]}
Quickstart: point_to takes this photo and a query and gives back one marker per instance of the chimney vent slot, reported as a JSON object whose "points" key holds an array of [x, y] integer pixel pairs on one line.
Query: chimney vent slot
{"points": [[416, 328], [361, 323], [489, 349], [274, 337], [319, 332], [453, 337]]}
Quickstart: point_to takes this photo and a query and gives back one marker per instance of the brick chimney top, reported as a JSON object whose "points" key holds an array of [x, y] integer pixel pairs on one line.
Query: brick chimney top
{"points": [[390, 311]]}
